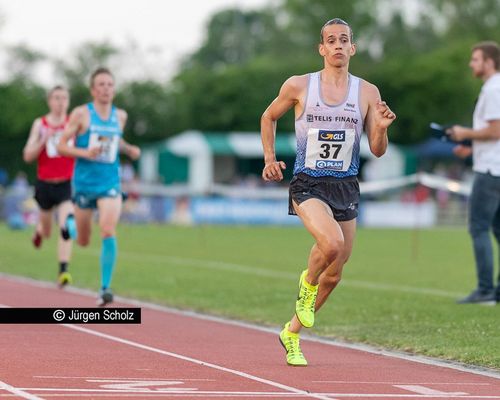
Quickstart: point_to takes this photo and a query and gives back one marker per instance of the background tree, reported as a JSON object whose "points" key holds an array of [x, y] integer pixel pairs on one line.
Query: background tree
{"points": [[21, 101], [75, 70], [416, 52]]}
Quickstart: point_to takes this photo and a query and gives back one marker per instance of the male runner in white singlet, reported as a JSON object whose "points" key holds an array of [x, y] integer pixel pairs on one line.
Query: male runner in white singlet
{"points": [[332, 109]]}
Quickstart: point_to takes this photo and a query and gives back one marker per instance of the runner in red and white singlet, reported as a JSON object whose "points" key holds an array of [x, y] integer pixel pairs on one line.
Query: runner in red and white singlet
{"points": [[54, 172]]}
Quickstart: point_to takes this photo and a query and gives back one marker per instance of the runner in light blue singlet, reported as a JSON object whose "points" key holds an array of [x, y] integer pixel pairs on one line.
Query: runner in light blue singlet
{"points": [[99, 177], [97, 128]]}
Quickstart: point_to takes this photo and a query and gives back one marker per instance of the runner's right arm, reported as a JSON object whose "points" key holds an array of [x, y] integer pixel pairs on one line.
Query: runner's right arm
{"points": [[35, 142], [287, 98], [76, 125]]}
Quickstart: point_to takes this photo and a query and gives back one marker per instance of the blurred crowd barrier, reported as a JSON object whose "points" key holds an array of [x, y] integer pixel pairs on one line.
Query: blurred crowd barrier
{"points": [[418, 200]]}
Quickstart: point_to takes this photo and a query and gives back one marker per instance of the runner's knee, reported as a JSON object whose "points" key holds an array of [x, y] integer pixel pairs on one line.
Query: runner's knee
{"points": [[83, 241], [45, 232], [108, 231], [332, 249]]}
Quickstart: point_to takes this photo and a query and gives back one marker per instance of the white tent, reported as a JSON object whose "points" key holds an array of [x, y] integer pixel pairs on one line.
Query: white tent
{"points": [[199, 150]]}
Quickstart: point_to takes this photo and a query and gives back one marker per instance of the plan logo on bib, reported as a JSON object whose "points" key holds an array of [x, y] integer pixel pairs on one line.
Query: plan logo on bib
{"points": [[330, 164]]}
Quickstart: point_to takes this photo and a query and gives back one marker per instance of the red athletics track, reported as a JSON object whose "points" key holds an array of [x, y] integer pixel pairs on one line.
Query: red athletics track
{"points": [[175, 354]]}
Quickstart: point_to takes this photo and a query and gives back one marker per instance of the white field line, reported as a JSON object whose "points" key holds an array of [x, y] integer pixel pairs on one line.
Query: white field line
{"points": [[269, 273], [18, 392], [209, 394], [264, 272]]}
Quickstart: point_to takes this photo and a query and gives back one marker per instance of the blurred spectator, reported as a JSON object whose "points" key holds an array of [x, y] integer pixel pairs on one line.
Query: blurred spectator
{"points": [[484, 201], [16, 194], [4, 177], [20, 185]]}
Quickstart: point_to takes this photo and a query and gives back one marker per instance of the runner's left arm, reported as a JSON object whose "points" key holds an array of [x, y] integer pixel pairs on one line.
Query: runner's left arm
{"points": [[378, 118], [132, 151]]}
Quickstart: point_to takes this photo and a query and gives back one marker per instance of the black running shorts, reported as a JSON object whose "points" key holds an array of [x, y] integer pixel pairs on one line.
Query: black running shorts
{"points": [[341, 194], [49, 194]]}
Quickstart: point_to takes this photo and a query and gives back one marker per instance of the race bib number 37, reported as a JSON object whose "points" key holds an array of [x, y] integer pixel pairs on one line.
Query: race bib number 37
{"points": [[329, 149]]}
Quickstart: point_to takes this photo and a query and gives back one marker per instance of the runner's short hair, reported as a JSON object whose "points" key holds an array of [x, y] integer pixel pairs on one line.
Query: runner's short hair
{"points": [[490, 50], [55, 89], [99, 71], [335, 21]]}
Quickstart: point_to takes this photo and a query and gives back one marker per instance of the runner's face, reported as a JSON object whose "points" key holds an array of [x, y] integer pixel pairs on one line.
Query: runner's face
{"points": [[337, 48], [477, 63], [103, 88], [58, 101]]}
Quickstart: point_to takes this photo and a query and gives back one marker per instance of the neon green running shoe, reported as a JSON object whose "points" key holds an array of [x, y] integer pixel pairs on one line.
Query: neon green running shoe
{"points": [[291, 342], [64, 279], [306, 301]]}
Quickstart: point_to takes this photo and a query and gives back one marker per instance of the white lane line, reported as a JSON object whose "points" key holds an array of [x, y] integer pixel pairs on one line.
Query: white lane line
{"points": [[210, 394], [171, 395], [169, 391], [476, 370], [428, 391], [204, 394], [121, 378], [196, 361], [142, 386], [18, 392], [392, 383], [404, 383]]}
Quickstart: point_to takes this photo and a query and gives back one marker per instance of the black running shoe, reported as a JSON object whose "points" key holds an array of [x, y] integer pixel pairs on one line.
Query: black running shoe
{"points": [[105, 297]]}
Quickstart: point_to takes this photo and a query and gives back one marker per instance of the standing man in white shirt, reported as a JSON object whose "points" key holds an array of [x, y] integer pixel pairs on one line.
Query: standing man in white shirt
{"points": [[484, 202]]}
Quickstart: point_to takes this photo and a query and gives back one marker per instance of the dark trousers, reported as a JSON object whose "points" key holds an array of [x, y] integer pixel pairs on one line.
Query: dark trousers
{"points": [[484, 216]]}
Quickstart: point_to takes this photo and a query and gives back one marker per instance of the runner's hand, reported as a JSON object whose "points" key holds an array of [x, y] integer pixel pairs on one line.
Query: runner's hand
{"points": [[383, 115], [93, 152], [272, 171], [134, 152]]}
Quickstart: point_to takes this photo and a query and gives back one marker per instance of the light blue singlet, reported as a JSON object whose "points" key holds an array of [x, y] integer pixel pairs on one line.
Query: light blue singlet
{"points": [[102, 175]]}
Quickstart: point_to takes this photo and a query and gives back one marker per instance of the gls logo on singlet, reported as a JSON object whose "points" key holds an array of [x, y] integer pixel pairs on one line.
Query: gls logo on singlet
{"points": [[331, 136]]}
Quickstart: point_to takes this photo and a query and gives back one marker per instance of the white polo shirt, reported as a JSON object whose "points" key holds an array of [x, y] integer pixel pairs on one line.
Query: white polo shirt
{"points": [[486, 154]]}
